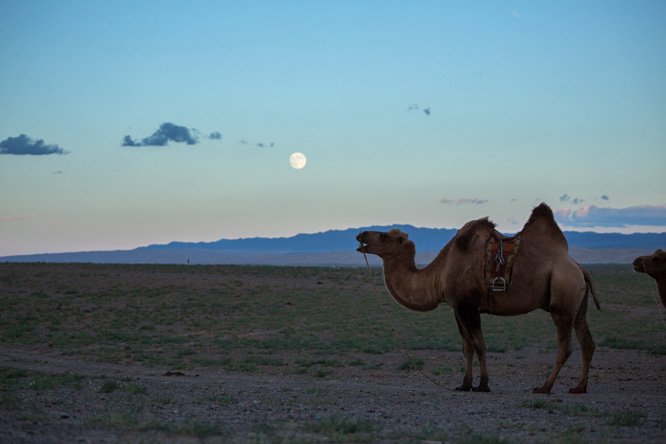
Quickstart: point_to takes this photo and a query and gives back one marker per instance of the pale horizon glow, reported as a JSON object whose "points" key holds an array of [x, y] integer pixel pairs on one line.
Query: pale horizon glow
{"points": [[125, 124]]}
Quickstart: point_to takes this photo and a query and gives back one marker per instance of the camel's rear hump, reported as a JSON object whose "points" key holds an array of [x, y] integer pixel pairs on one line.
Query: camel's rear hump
{"points": [[542, 223]]}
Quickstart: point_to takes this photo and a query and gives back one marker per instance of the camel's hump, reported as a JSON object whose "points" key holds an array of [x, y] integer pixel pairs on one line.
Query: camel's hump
{"points": [[543, 220]]}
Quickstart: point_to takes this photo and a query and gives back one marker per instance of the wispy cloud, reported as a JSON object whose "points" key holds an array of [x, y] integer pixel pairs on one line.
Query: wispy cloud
{"points": [[24, 145], [593, 216], [463, 201], [258, 145], [517, 15], [415, 107], [13, 218], [169, 132]]}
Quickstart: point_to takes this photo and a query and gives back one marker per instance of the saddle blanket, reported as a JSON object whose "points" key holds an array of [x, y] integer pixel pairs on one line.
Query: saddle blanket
{"points": [[500, 252]]}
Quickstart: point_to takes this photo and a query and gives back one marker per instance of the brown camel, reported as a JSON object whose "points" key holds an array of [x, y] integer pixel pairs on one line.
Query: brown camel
{"points": [[544, 276], [655, 267]]}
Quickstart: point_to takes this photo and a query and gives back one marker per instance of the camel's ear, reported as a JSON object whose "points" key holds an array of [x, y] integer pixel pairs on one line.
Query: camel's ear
{"points": [[464, 240]]}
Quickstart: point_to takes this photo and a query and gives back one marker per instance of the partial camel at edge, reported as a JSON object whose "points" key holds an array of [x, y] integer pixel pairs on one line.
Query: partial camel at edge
{"points": [[655, 267], [544, 276]]}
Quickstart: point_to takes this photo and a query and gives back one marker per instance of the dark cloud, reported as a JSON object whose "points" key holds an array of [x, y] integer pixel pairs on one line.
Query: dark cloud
{"points": [[24, 145], [464, 201], [427, 111], [593, 216], [604, 197], [168, 132], [215, 135]]}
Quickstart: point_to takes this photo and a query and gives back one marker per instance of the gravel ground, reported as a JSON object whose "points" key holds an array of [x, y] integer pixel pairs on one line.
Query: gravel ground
{"points": [[375, 402]]}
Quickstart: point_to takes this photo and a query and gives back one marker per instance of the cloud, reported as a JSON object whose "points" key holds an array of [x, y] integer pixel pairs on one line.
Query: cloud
{"points": [[593, 216], [575, 201], [24, 145], [517, 15], [464, 201], [169, 132], [415, 107], [604, 197], [258, 145]]}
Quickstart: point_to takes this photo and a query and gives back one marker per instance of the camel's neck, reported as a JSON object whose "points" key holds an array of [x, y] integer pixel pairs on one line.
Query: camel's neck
{"points": [[661, 288], [411, 287]]}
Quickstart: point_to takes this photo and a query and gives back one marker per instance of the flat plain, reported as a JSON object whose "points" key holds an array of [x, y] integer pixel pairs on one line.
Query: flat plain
{"points": [[105, 353]]}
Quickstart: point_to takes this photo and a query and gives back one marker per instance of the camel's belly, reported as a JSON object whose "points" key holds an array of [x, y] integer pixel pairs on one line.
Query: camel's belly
{"points": [[508, 303]]}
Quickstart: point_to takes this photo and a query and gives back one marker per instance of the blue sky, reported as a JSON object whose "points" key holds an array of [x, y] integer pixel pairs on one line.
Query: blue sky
{"points": [[125, 124]]}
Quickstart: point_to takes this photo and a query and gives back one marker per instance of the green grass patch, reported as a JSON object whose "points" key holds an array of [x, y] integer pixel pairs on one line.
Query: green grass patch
{"points": [[242, 318]]}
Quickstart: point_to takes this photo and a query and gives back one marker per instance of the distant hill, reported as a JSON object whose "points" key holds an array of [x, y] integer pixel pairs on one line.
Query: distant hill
{"points": [[337, 247]]}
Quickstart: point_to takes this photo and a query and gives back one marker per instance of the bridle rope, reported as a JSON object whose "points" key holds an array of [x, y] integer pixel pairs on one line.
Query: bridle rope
{"points": [[395, 335], [655, 297]]}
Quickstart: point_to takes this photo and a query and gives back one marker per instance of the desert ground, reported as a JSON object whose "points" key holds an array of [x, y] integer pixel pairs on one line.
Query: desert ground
{"points": [[95, 353]]}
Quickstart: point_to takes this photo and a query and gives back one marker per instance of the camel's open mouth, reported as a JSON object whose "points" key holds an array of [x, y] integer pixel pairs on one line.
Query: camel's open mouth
{"points": [[364, 245]]}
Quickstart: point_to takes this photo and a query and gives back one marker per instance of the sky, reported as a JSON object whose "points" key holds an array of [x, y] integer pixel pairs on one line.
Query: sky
{"points": [[130, 123]]}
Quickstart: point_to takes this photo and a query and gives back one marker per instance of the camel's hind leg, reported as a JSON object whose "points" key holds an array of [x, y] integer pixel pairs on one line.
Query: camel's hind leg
{"points": [[564, 323], [586, 346]]}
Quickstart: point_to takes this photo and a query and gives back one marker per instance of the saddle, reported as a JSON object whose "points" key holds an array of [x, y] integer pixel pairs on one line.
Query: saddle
{"points": [[500, 252]]}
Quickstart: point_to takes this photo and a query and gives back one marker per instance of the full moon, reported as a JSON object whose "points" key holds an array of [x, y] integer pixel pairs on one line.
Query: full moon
{"points": [[297, 160]]}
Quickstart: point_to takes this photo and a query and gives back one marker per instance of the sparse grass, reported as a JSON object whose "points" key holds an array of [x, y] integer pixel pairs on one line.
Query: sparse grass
{"points": [[273, 320], [108, 386], [174, 316], [569, 410], [628, 418], [416, 364]]}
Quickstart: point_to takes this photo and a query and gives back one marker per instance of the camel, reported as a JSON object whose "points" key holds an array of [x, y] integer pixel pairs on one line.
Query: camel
{"points": [[544, 276], [655, 267]]}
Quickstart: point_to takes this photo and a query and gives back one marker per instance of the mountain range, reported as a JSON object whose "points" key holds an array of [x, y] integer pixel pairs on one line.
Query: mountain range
{"points": [[337, 247]]}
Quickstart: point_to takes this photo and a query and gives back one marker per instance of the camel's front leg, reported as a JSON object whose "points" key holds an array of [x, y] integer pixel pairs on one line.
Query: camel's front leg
{"points": [[564, 326], [468, 351], [469, 326]]}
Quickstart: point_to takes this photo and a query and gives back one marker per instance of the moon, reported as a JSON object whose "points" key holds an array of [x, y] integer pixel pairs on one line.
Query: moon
{"points": [[297, 161]]}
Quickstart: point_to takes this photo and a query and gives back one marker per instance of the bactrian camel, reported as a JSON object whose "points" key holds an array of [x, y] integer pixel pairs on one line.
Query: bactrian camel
{"points": [[544, 276], [655, 267]]}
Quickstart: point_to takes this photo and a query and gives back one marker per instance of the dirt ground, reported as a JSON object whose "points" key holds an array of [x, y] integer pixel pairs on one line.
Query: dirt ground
{"points": [[401, 406]]}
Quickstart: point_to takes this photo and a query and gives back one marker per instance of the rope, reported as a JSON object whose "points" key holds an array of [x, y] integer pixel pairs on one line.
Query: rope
{"points": [[395, 335], [654, 296]]}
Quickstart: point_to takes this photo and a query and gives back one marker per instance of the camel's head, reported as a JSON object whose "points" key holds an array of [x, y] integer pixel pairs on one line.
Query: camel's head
{"points": [[654, 265], [382, 244]]}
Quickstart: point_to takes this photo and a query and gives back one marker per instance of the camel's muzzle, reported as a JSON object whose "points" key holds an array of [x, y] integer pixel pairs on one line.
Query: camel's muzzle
{"points": [[639, 265], [364, 245]]}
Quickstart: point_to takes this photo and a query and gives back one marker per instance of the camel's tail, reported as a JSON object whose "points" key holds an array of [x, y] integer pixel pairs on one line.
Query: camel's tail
{"points": [[590, 286]]}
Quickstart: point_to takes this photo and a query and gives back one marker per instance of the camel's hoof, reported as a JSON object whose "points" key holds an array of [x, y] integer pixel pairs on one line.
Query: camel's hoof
{"points": [[463, 388], [484, 389], [541, 390], [578, 390]]}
